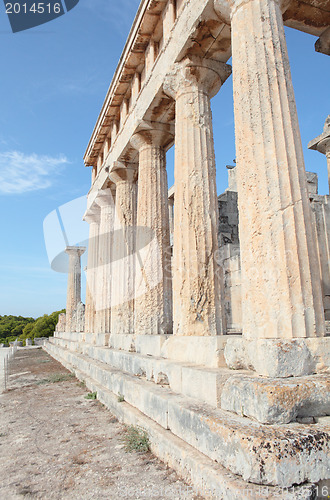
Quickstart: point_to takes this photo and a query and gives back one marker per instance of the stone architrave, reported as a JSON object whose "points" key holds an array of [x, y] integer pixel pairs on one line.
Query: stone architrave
{"points": [[196, 275], [123, 248], [105, 200], [74, 284], [322, 144], [281, 289], [153, 285], [92, 216]]}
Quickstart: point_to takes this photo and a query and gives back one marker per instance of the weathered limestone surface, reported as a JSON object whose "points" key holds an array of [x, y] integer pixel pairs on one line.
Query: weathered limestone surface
{"points": [[274, 401], [323, 43], [78, 318], [279, 358], [281, 292], [172, 64], [92, 216], [321, 213], [322, 142], [196, 276], [209, 479], [74, 285], [153, 289], [105, 200], [60, 327], [123, 268], [260, 454]]}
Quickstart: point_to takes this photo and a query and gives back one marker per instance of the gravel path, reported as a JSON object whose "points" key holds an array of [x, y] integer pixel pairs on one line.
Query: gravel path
{"points": [[55, 444]]}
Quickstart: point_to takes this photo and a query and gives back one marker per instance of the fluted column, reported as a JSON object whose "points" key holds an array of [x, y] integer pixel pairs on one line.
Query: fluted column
{"points": [[281, 290], [74, 283], [92, 216], [153, 287], [322, 144], [196, 284], [122, 282], [105, 201]]}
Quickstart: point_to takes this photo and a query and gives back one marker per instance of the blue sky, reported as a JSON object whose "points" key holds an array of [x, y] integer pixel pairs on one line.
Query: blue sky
{"points": [[53, 82]]}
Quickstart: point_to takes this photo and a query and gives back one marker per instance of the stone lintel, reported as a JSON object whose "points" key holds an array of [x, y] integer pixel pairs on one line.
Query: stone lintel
{"points": [[277, 401], [279, 358]]}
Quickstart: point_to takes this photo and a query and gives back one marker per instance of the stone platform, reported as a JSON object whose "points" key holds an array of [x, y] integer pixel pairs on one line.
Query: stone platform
{"points": [[187, 429]]}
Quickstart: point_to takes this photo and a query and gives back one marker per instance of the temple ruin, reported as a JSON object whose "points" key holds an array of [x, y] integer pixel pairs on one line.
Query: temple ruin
{"points": [[209, 315]]}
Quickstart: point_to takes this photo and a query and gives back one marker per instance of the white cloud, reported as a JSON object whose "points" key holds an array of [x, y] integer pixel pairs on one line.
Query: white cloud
{"points": [[21, 173]]}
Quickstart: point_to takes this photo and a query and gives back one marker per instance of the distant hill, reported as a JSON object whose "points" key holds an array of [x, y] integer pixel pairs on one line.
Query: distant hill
{"points": [[13, 327]]}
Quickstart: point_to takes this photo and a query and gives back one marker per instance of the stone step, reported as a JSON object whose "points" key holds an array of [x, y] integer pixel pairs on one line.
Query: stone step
{"points": [[277, 401], [258, 453], [208, 478], [204, 384]]}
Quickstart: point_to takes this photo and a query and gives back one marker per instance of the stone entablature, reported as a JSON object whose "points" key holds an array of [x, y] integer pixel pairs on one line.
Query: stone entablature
{"points": [[154, 44]]}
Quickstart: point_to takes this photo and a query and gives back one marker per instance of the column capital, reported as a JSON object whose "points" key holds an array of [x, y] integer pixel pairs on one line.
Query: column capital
{"points": [[226, 8], [321, 143], [122, 172], [194, 72], [72, 250], [152, 134], [104, 197], [92, 214]]}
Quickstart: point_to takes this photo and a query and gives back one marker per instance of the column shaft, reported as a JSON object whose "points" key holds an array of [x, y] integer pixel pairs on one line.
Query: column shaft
{"points": [[91, 280], [74, 284], [122, 281], [281, 291], [328, 166], [103, 302], [196, 283], [153, 287]]}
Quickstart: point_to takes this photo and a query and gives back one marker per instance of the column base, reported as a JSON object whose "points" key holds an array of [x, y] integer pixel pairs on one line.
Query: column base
{"points": [[279, 358]]}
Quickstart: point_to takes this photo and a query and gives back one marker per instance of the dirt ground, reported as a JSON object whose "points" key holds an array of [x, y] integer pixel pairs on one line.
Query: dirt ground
{"points": [[55, 444]]}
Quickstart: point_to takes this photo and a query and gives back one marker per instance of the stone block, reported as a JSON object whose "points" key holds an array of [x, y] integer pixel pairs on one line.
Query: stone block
{"points": [[277, 401], [204, 385], [100, 339], [125, 342], [150, 345], [207, 351], [278, 357]]}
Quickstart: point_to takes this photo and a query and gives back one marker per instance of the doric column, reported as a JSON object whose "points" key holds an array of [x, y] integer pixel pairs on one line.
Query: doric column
{"points": [[281, 292], [153, 287], [105, 201], [74, 283], [196, 285], [171, 213], [322, 144], [122, 282], [92, 216], [281, 288]]}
